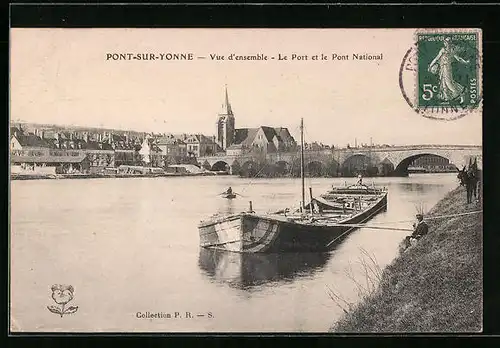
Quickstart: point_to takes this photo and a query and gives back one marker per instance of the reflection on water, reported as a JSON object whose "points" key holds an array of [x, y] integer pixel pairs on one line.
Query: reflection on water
{"points": [[228, 207], [244, 270]]}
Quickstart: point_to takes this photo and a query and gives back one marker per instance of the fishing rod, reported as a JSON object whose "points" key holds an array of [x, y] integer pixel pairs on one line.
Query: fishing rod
{"points": [[452, 215], [430, 217], [406, 229], [375, 227]]}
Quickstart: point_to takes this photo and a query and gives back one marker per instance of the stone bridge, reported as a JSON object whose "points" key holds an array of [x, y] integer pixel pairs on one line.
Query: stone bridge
{"points": [[395, 158]]}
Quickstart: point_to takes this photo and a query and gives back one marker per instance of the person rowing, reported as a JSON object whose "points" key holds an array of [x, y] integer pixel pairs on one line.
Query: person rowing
{"points": [[229, 193]]}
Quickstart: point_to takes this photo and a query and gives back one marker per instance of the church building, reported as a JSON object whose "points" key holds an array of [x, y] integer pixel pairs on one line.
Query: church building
{"points": [[236, 141]]}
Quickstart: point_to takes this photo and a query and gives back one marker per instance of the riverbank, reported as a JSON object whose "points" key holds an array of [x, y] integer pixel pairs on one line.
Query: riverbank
{"points": [[435, 286], [100, 176]]}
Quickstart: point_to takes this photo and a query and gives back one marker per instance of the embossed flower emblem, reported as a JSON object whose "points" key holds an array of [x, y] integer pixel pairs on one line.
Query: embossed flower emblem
{"points": [[62, 294]]}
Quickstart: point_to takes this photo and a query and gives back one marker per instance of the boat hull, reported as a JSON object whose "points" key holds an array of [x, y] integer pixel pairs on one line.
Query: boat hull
{"points": [[253, 233]]}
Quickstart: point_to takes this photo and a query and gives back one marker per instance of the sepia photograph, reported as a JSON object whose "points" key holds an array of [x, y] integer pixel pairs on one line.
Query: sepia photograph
{"points": [[246, 180]]}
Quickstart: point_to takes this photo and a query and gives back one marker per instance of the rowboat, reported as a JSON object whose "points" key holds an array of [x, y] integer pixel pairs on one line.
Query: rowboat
{"points": [[229, 195], [315, 226]]}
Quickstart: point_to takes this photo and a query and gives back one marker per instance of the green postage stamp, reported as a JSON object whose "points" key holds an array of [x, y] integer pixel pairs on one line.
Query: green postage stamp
{"points": [[448, 72]]}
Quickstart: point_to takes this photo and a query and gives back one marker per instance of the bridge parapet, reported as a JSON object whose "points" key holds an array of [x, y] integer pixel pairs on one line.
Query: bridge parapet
{"points": [[408, 148], [458, 155]]}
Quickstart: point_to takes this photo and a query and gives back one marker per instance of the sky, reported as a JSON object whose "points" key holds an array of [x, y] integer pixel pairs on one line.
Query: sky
{"points": [[62, 76]]}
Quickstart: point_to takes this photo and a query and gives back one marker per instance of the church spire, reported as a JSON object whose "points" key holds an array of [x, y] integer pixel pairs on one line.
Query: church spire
{"points": [[225, 124], [226, 107]]}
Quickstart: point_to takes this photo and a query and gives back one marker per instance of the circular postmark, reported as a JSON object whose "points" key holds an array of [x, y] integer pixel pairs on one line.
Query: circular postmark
{"points": [[440, 76]]}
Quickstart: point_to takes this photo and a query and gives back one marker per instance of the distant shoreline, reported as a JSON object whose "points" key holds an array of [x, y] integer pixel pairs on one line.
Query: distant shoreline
{"points": [[99, 176], [121, 176]]}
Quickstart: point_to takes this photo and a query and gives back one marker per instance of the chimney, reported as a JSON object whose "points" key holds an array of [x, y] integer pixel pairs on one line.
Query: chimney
{"points": [[86, 137], [42, 134], [110, 138], [36, 131]]}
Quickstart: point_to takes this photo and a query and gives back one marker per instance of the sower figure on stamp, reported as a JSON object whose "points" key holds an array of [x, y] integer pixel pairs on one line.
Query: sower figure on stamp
{"points": [[449, 88]]}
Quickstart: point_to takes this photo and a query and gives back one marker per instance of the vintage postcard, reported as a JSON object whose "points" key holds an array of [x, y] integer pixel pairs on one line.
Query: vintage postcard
{"points": [[245, 180]]}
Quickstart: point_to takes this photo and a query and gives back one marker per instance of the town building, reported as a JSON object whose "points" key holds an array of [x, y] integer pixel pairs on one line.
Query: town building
{"points": [[71, 151], [201, 145], [150, 152], [174, 150], [126, 149], [32, 153]]}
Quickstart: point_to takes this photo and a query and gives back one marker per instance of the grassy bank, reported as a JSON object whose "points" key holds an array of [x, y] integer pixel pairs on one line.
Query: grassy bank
{"points": [[435, 286]]}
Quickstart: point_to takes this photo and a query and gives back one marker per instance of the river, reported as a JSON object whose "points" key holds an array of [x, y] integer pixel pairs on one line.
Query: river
{"points": [[129, 247]]}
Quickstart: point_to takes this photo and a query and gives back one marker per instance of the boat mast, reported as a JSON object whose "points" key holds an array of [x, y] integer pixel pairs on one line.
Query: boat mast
{"points": [[302, 163]]}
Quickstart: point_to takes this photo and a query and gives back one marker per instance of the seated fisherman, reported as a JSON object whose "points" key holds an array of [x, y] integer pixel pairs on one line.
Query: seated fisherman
{"points": [[229, 191], [421, 229]]}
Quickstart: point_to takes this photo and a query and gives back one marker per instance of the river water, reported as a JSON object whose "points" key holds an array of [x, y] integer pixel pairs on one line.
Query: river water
{"points": [[129, 248]]}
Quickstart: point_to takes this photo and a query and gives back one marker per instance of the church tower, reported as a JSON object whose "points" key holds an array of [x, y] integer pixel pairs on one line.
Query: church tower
{"points": [[225, 125]]}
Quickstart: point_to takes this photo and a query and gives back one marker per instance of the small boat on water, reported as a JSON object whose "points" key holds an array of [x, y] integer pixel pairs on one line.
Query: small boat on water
{"points": [[229, 194], [315, 226]]}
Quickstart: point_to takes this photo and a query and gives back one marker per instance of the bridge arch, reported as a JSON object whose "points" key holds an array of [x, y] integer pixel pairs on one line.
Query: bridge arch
{"points": [[332, 168], [386, 167], [283, 167], [314, 168], [206, 165], [249, 168], [235, 167], [359, 163], [220, 166], [402, 166]]}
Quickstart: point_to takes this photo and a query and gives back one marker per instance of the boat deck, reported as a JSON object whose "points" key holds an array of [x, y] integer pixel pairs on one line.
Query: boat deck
{"points": [[326, 218]]}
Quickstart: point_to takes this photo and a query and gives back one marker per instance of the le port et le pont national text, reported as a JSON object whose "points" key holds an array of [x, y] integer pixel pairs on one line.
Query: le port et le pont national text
{"points": [[252, 57]]}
